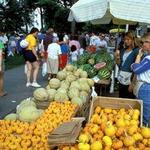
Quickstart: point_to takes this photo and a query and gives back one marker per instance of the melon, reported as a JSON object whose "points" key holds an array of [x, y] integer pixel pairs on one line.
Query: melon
{"points": [[73, 92], [28, 114], [61, 75], [12, 116], [41, 94], [54, 83], [77, 100], [100, 65], [69, 67], [51, 94]]}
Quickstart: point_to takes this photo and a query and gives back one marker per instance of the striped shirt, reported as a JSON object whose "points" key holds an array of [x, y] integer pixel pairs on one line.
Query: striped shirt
{"points": [[142, 69]]}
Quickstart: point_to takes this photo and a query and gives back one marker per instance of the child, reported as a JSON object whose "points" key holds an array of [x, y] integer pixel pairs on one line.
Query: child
{"points": [[73, 54]]}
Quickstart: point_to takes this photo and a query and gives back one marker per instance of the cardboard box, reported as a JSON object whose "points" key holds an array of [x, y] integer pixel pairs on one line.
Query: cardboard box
{"points": [[66, 133], [116, 103]]}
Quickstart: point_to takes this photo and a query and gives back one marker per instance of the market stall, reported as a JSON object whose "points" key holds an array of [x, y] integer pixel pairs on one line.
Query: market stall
{"points": [[59, 124]]}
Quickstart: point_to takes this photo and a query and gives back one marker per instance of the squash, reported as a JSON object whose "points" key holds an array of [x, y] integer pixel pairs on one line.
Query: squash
{"points": [[41, 94], [54, 83]]}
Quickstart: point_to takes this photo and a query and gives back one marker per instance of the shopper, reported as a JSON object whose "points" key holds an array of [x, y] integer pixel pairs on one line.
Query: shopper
{"points": [[64, 52], [124, 58], [31, 58], [2, 92], [54, 51], [141, 68]]}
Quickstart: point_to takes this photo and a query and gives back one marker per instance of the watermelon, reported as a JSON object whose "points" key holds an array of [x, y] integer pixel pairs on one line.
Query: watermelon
{"points": [[104, 74], [86, 67], [83, 58], [92, 72], [100, 65]]}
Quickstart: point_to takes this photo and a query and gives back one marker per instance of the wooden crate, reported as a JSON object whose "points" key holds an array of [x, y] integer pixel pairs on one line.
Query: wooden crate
{"points": [[116, 103], [66, 133]]}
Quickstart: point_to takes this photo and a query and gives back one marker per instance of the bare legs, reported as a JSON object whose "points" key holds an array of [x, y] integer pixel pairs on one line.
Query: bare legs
{"points": [[2, 92], [32, 69]]}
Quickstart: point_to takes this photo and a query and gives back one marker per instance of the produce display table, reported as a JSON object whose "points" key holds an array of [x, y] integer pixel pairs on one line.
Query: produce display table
{"points": [[101, 87]]}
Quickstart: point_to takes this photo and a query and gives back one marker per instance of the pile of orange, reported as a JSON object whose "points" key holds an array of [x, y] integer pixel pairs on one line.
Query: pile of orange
{"points": [[17, 135], [111, 129]]}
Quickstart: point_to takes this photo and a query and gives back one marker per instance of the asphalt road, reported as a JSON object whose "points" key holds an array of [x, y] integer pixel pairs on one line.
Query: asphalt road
{"points": [[15, 81]]}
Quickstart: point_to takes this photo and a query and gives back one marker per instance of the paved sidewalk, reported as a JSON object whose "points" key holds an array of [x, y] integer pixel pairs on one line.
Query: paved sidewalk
{"points": [[15, 81]]}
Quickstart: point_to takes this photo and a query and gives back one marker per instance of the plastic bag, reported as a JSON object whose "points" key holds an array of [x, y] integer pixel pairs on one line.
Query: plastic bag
{"points": [[44, 69], [94, 94]]}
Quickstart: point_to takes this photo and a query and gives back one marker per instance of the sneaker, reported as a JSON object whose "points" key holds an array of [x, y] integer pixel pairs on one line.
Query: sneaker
{"points": [[35, 84], [28, 84]]}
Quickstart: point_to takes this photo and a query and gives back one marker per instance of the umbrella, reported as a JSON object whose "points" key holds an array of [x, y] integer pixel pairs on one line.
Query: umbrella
{"points": [[103, 11], [116, 30]]}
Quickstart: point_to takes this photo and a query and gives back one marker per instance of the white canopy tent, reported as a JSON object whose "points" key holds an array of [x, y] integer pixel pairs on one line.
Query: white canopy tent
{"points": [[103, 11]]}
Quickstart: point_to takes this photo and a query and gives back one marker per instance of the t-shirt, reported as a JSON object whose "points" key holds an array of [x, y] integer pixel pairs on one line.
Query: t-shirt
{"points": [[101, 43], [32, 42], [53, 50], [1, 46], [74, 56], [64, 48]]}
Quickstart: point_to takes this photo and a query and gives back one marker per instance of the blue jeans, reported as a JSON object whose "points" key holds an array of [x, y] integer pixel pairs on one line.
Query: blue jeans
{"points": [[144, 94]]}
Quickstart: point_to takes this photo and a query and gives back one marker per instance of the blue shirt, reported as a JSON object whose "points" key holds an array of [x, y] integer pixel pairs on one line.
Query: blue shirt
{"points": [[64, 48], [126, 66]]}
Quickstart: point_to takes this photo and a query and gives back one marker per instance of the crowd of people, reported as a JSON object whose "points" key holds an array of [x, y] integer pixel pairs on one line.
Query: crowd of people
{"points": [[56, 50]]}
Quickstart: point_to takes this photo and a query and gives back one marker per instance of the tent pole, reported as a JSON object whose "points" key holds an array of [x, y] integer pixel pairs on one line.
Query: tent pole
{"points": [[73, 26], [127, 28]]}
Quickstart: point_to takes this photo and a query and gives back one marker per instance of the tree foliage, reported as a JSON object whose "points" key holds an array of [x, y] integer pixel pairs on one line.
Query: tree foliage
{"points": [[14, 14]]}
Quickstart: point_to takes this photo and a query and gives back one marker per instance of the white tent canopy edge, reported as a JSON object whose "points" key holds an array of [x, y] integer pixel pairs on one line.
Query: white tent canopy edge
{"points": [[89, 10]]}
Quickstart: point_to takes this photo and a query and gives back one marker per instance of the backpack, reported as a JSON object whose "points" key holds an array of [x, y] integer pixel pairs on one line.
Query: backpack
{"points": [[24, 43]]}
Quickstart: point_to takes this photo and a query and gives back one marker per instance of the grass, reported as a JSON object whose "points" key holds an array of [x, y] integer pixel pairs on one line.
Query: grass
{"points": [[14, 61]]}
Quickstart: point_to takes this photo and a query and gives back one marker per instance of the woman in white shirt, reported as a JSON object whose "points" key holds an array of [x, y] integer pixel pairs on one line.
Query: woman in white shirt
{"points": [[54, 51], [141, 68]]}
